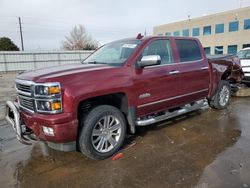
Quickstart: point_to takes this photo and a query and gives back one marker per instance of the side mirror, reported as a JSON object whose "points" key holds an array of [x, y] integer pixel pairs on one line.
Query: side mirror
{"points": [[149, 60]]}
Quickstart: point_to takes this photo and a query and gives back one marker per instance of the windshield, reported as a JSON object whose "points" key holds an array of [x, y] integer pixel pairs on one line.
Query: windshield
{"points": [[115, 53], [244, 54]]}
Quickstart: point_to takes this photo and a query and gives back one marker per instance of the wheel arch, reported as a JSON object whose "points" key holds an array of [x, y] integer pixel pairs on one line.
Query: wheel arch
{"points": [[118, 100]]}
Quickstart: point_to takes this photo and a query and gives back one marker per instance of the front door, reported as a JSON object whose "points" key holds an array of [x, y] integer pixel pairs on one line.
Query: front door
{"points": [[156, 86]]}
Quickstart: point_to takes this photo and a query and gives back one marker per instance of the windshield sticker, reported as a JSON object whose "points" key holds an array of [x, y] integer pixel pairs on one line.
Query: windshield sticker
{"points": [[129, 45]]}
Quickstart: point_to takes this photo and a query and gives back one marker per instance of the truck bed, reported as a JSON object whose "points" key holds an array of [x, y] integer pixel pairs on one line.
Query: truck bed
{"points": [[220, 57], [231, 65]]}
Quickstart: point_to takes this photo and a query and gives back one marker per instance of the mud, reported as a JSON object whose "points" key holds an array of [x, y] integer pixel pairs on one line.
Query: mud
{"points": [[206, 148]]}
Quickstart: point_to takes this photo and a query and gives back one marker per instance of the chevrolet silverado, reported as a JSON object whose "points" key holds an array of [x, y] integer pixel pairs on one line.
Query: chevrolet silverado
{"points": [[124, 84]]}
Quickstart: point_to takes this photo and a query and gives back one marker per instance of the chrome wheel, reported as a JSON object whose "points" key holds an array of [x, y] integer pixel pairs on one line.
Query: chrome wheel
{"points": [[224, 96], [106, 133]]}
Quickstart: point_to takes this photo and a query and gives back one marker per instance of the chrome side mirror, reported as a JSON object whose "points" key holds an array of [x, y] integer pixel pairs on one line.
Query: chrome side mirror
{"points": [[149, 60]]}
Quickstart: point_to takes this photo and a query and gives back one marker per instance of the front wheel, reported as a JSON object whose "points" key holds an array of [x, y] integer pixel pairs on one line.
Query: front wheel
{"points": [[222, 96], [103, 132]]}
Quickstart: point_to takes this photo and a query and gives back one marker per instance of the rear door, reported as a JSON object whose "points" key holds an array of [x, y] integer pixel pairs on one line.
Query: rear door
{"points": [[193, 70]]}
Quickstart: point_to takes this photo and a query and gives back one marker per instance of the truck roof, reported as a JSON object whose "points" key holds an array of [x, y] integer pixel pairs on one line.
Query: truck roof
{"points": [[156, 37], [248, 48]]}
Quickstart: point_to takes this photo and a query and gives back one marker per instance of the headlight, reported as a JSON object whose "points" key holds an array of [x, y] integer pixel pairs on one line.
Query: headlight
{"points": [[48, 98], [47, 89], [48, 106]]}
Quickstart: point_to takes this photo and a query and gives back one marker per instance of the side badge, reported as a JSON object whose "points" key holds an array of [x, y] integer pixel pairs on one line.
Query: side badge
{"points": [[144, 95]]}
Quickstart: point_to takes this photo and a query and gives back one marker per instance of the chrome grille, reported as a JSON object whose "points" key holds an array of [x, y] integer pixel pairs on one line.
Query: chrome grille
{"points": [[26, 102], [24, 88], [24, 93]]}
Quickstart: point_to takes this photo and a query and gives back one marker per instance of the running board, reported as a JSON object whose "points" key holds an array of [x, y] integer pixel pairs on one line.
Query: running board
{"points": [[185, 109]]}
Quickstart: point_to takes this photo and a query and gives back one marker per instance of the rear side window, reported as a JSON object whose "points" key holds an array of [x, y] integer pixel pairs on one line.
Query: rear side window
{"points": [[189, 50]]}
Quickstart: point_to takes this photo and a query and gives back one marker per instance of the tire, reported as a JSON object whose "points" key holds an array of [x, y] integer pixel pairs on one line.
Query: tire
{"points": [[103, 132], [222, 96]]}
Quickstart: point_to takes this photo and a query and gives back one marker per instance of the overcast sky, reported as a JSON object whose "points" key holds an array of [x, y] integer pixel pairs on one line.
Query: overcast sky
{"points": [[47, 22]]}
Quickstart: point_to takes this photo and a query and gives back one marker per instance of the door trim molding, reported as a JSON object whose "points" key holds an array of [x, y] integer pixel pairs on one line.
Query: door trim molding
{"points": [[171, 98]]}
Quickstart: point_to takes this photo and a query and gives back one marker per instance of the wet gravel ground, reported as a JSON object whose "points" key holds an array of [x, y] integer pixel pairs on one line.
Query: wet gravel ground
{"points": [[206, 148]]}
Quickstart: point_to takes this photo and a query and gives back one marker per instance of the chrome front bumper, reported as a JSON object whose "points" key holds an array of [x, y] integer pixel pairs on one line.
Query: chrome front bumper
{"points": [[12, 116]]}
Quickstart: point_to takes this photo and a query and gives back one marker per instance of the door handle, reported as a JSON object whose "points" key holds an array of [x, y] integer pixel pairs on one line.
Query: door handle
{"points": [[204, 68], [174, 72]]}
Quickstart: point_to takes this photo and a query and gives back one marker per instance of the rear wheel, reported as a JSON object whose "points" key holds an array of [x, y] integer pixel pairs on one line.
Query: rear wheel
{"points": [[222, 96], [103, 132]]}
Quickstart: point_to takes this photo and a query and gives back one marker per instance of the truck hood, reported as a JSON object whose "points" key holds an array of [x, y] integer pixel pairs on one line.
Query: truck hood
{"points": [[57, 72]]}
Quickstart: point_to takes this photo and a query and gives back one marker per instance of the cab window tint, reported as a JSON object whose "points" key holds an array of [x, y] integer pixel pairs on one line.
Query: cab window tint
{"points": [[161, 48], [189, 50]]}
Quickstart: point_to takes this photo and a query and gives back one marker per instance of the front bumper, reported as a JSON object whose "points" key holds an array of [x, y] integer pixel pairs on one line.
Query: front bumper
{"points": [[13, 118], [28, 127]]}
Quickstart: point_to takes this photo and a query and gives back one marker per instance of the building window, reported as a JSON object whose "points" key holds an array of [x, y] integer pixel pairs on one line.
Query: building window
{"points": [[185, 32], [189, 50], [207, 30], [168, 33], [177, 33], [160, 34], [219, 28], [207, 50], [196, 32], [245, 45], [232, 49], [233, 26], [218, 50], [247, 24]]}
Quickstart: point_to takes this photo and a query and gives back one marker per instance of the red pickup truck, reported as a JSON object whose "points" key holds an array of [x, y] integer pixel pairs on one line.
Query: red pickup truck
{"points": [[124, 84]]}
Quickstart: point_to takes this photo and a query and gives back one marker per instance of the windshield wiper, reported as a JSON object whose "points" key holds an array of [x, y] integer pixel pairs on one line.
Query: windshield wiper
{"points": [[94, 62]]}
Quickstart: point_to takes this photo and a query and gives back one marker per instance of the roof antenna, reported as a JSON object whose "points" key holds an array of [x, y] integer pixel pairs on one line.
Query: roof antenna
{"points": [[139, 36]]}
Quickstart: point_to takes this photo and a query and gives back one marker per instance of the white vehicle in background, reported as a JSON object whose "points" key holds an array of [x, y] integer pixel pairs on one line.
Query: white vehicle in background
{"points": [[244, 56]]}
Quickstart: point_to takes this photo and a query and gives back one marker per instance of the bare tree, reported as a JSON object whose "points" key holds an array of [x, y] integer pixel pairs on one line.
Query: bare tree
{"points": [[79, 40]]}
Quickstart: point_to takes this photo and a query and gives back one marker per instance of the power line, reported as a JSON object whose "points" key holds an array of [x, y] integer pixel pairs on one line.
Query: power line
{"points": [[56, 26], [32, 29], [13, 31]]}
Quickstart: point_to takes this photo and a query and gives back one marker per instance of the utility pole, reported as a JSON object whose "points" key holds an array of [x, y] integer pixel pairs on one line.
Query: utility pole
{"points": [[21, 32]]}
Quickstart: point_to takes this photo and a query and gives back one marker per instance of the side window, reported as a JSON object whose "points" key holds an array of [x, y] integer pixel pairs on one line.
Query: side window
{"points": [[244, 54], [248, 54], [161, 48], [189, 50]]}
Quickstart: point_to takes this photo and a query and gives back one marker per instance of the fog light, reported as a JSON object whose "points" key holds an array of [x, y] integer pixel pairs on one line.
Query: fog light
{"points": [[48, 131]]}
